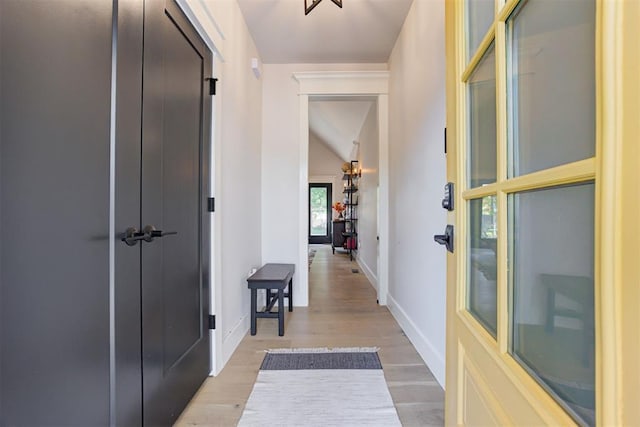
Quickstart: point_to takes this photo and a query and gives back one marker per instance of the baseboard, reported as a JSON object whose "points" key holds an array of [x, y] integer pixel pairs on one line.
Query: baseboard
{"points": [[231, 342], [214, 369], [434, 360], [367, 272]]}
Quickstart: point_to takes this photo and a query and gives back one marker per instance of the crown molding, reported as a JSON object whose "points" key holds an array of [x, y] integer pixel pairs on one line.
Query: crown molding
{"points": [[343, 82]]}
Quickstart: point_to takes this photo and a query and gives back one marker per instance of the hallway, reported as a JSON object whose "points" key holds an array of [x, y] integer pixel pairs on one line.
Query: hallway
{"points": [[342, 313]]}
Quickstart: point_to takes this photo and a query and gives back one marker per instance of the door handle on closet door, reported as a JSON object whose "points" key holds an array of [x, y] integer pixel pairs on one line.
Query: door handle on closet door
{"points": [[132, 236], [150, 233]]}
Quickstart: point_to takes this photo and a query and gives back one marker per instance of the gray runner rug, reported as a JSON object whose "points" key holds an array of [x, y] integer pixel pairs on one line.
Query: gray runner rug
{"points": [[320, 387]]}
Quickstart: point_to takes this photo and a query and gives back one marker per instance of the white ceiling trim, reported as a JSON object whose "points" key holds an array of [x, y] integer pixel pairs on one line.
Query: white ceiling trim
{"points": [[342, 82]]}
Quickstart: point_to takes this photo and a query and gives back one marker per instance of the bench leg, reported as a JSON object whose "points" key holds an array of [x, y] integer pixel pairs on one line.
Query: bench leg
{"points": [[280, 312], [290, 294], [254, 303]]}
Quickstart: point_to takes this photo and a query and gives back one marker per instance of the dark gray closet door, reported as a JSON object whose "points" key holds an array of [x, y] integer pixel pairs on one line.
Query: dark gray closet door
{"points": [[175, 337], [57, 365], [127, 393], [55, 76]]}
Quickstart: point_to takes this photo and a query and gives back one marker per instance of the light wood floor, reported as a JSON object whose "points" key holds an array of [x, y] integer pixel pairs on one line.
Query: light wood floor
{"points": [[342, 312]]}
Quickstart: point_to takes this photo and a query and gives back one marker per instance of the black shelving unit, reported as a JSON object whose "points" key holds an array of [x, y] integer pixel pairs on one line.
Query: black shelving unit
{"points": [[351, 180]]}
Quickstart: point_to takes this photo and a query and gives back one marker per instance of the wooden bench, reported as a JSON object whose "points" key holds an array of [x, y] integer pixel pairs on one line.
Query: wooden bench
{"points": [[271, 277]]}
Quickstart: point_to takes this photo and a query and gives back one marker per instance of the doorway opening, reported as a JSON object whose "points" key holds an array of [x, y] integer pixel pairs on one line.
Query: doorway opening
{"points": [[369, 85]]}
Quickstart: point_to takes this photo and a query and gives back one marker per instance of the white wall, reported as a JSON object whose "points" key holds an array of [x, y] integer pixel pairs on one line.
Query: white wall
{"points": [[417, 282], [281, 160], [240, 201], [325, 166], [367, 210], [237, 166]]}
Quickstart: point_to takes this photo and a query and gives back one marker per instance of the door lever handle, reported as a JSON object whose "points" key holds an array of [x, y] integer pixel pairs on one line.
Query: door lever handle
{"points": [[150, 233], [132, 236], [446, 238]]}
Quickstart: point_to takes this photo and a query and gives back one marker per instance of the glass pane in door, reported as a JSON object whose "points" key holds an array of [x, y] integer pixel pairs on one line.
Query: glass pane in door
{"points": [[480, 15], [482, 122], [552, 244], [318, 203], [482, 262], [551, 84]]}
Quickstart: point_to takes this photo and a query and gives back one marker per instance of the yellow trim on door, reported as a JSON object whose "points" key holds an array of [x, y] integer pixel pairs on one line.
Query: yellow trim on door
{"points": [[618, 229], [616, 172]]}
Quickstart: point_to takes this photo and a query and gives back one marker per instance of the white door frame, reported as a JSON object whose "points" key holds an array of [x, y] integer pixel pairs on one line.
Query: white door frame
{"points": [[215, 271], [354, 83], [201, 17]]}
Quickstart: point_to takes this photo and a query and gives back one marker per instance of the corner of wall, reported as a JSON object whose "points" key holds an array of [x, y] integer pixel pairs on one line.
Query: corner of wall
{"points": [[233, 339], [373, 279], [429, 353]]}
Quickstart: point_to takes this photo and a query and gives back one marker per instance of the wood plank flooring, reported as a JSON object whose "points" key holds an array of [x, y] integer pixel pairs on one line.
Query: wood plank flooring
{"points": [[342, 312]]}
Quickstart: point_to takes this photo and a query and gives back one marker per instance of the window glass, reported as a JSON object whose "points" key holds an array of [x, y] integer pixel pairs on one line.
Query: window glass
{"points": [[480, 15], [552, 241], [551, 84], [318, 201], [482, 122], [482, 262]]}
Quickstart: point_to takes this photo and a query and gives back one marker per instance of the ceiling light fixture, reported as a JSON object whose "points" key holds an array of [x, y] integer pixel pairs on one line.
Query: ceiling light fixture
{"points": [[309, 5]]}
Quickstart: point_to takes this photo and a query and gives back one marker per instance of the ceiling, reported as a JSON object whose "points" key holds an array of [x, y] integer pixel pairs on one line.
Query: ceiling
{"points": [[338, 123], [362, 31]]}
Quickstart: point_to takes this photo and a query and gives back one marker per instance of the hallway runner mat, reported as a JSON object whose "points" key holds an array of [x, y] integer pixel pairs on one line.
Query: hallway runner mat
{"points": [[320, 387]]}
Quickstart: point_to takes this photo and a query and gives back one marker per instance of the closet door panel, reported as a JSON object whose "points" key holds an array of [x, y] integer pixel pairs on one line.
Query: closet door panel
{"points": [[55, 77], [127, 397]]}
